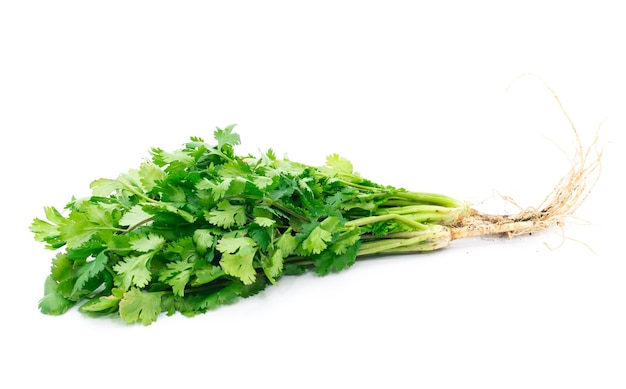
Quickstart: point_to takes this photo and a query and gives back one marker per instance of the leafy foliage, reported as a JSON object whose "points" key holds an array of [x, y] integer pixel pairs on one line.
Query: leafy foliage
{"points": [[200, 227]]}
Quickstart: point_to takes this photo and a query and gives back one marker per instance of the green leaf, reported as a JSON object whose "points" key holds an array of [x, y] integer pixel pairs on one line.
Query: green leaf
{"points": [[217, 189], [133, 271], [206, 274], [226, 136], [346, 240], [239, 264], [62, 268], [77, 229], [339, 164], [271, 155], [261, 235], [303, 183], [103, 187], [134, 216], [229, 294], [276, 264], [230, 244], [185, 248], [149, 175], [140, 306], [337, 199], [273, 266], [287, 243], [90, 270], [224, 296], [103, 304], [204, 240], [237, 258], [330, 224], [177, 275], [262, 182], [226, 215], [264, 221], [174, 194], [328, 261], [53, 302], [100, 214], [317, 241], [161, 157], [147, 243], [46, 232]]}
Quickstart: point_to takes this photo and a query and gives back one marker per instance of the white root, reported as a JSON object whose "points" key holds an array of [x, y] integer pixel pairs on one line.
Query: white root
{"points": [[558, 206]]}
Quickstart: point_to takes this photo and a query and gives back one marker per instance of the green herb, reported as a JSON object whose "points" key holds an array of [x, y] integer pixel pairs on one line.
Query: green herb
{"points": [[200, 227]]}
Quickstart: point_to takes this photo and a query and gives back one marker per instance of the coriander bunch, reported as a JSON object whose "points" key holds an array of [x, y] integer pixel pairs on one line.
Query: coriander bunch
{"points": [[200, 227]]}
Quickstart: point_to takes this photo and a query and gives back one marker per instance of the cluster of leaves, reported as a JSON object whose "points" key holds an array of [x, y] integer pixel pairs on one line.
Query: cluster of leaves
{"points": [[201, 227]]}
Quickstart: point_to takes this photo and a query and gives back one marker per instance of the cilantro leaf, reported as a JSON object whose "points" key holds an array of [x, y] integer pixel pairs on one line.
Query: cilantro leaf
{"points": [[317, 241], [345, 240], [217, 190], [133, 271], [240, 264], [264, 221], [47, 232], [103, 187], [226, 136], [206, 274], [76, 229], [226, 215], [273, 265], [261, 235], [90, 270], [103, 304], [230, 244], [177, 275], [149, 242], [339, 164], [224, 296], [62, 268], [162, 158], [140, 306], [185, 248], [174, 194], [134, 216], [204, 239], [44, 231], [150, 175], [328, 261], [53, 302], [262, 182]]}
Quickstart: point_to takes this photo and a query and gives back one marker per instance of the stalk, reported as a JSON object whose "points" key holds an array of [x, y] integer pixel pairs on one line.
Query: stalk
{"points": [[432, 238]]}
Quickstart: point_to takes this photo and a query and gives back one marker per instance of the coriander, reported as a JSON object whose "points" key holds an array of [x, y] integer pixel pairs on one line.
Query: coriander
{"points": [[200, 227]]}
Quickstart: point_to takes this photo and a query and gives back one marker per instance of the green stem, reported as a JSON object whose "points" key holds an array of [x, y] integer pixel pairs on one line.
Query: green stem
{"points": [[425, 213], [379, 218], [433, 238], [108, 229], [359, 186], [139, 224], [433, 199]]}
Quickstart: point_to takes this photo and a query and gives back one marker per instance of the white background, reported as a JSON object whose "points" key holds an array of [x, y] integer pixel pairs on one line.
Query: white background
{"points": [[416, 96]]}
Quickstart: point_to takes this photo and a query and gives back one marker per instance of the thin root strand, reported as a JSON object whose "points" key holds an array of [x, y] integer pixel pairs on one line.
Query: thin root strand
{"points": [[560, 204]]}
